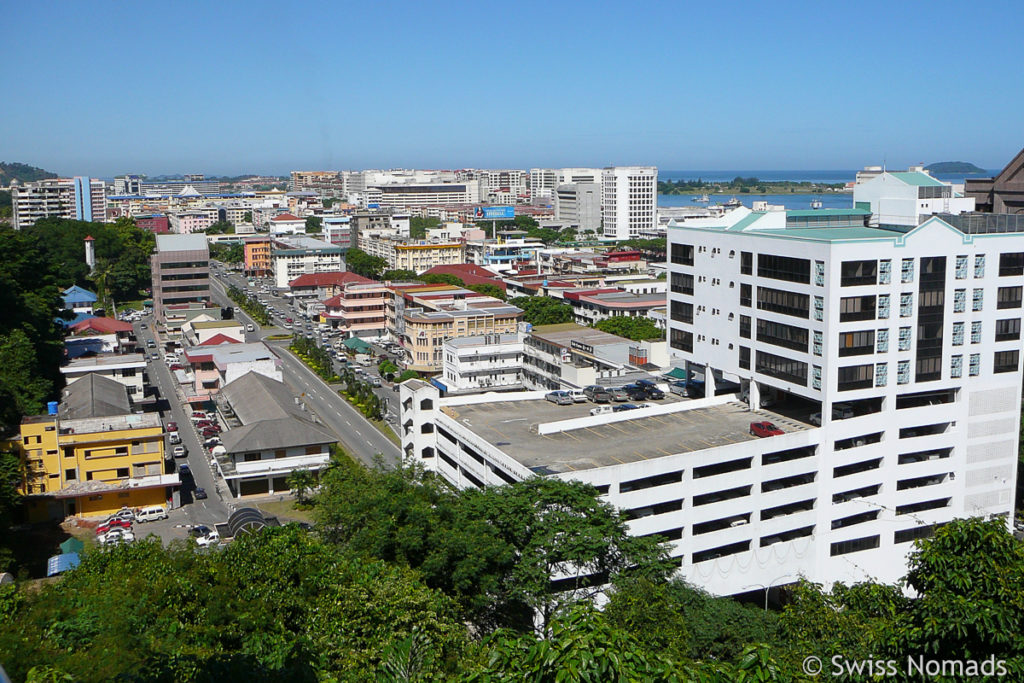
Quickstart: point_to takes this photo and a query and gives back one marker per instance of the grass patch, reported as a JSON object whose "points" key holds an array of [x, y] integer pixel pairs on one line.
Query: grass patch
{"points": [[286, 511], [277, 337], [385, 429]]}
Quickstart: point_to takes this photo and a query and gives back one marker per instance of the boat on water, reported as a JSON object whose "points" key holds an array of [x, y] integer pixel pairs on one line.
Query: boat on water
{"points": [[703, 199], [816, 203], [733, 203]]}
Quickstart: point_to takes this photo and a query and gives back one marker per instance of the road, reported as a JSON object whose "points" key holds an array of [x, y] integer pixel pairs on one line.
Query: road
{"points": [[359, 438]]}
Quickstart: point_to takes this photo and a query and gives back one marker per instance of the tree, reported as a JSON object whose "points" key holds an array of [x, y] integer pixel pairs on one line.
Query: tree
{"points": [[419, 225], [488, 290], [361, 263], [398, 275], [541, 310], [442, 279], [407, 374], [221, 228], [301, 482], [247, 217], [637, 329], [314, 224], [24, 388]]}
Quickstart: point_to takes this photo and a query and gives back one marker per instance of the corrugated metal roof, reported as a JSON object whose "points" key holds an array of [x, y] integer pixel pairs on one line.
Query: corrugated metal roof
{"points": [[95, 396], [916, 178]]}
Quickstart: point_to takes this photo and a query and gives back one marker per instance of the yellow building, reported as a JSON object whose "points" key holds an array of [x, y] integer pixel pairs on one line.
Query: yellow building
{"points": [[421, 257], [94, 456], [426, 331]]}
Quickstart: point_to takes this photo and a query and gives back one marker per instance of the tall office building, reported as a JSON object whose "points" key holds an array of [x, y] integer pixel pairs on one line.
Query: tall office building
{"points": [[579, 205], [81, 198], [181, 272], [629, 199]]}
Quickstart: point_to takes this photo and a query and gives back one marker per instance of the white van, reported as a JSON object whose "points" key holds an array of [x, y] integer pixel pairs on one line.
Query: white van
{"points": [[151, 513]]}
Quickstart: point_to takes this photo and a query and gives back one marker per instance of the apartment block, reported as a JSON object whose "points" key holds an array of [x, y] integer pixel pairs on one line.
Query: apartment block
{"points": [[358, 310], [629, 198], [486, 362], [415, 255], [79, 198], [291, 257], [426, 331], [257, 256], [181, 272], [578, 205]]}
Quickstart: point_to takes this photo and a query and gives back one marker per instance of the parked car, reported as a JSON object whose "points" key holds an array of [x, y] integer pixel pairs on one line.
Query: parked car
{"points": [[174, 438], [212, 442], [200, 493], [115, 536], [123, 513], [763, 429], [177, 366], [635, 392], [210, 431], [198, 531], [601, 410], [562, 398], [113, 523], [618, 394], [597, 394], [375, 381], [212, 538], [198, 415], [624, 407], [204, 423], [184, 470], [578, 396], [180, 452], [151, 513]]}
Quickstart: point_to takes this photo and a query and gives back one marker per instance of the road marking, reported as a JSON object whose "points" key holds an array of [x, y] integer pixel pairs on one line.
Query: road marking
{"points": [[358, 432], [369, 444]]}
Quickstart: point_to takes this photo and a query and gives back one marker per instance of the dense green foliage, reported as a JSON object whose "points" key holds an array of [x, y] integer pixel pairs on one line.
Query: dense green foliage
{"points": [[228, 253], [361, 263], [23, 173], [314, 224], [360, 394], [954, 167], [250, 305], [654, 247], [542, 310], [6, 207], [221, 228], [441, 279], [745, 185], [418, 226], [638, 329], [407, 374], [316, 357], [397, 275], [532, 228]]}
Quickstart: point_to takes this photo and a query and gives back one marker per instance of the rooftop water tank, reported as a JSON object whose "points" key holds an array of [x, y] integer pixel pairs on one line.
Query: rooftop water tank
{"points": [[51, 408]]}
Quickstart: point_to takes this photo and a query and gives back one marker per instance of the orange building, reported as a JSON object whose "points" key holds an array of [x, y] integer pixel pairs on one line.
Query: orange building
{"points": [[257, 256]]}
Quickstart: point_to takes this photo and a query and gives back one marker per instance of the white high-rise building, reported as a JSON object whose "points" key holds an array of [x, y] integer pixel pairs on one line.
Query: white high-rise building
{"points": [[905, 198], [629, 199], [81, 198], [579, 205], [542, 182], [889, 361]]}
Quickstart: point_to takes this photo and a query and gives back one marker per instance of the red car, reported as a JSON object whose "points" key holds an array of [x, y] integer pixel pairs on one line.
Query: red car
{"points": [[763, 429], [202, 424], [210, 432], [177, 366], [172, 426], [197, 415], [112, 524]]}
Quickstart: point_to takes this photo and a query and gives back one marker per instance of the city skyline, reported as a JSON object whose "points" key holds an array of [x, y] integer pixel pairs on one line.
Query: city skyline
{"points": [[232, 89]]}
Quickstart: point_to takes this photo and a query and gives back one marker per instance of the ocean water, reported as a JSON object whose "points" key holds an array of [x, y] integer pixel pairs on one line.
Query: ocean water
{"points": [[829, 200], [841, 176]]}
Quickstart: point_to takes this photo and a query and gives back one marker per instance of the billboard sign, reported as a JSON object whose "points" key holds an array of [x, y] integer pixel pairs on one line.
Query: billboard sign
{"points": [[494, 213]]}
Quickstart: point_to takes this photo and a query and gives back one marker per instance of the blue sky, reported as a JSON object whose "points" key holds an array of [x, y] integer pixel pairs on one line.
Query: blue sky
{"points": [[104, 88]]}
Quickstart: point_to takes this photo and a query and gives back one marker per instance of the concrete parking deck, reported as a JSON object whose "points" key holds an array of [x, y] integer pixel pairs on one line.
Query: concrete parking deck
{"points": [[511, 426]]}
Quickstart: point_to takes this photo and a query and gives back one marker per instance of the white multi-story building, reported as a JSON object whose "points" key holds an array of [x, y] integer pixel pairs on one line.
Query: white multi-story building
{"points": [[291, 257], [629, 199], [503, 185], [484, 362], [81, 198], [906, 198], [904, 346], [543, 182], [410, 195], [578, 205]]}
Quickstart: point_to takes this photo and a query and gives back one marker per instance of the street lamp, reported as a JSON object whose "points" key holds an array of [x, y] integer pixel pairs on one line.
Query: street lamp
{"points": [[768, 587]]}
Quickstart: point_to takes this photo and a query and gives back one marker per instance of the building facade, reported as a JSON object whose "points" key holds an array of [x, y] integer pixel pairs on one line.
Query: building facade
{"points": [[79, 198], [905, 198], [257, 256], [578, 205], [358, 310], [292, 257], [483, 363], [181, 272], [629, 198]]}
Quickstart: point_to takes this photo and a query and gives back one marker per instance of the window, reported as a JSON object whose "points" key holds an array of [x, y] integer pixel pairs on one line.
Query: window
{"points": [[70, 475], [682, 283], [882, 341], [1006, 361], [907, 274], [883, 306], [745, 326], [781, 301], [958, 334], [1008, 330], [122, 473], [906, 305], [959, 301], [856, 343], [884, 271], [961, 267], [744, 358], [855, 545], [1008, 297], [784, 268], [819, 273], [746, 263], [1011, 264], [819, 308], [979, 299], [975, 367], [903, 372], [682, 254], [785, 369], [853, 308], [679, 339], [956, 366], [979, 265], [881, 374], [682, 312], [976, 332], [856, 377], [780, 334], [744, 295], [817, 343], [816, 377], [856, 273]]}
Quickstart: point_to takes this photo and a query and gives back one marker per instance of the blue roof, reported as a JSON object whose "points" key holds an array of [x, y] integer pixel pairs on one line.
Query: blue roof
{"points": [[62, 563], [79, 317], [76, 293]]}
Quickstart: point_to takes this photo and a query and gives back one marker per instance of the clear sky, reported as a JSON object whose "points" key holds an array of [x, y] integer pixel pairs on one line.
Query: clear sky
{"points": [[104, 88]]}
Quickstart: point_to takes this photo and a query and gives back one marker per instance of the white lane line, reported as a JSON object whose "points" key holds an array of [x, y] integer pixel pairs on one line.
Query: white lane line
{"points": [[358, 432], [369, 444]]}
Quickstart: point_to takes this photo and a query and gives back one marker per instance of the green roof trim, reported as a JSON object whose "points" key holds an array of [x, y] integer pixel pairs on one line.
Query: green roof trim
{"points": [[917, 178], [747, 221], [798, 213], [676, 373], [832, 234], [356, 344]]}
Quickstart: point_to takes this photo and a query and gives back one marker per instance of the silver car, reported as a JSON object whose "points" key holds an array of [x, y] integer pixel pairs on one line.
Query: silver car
{"points": [[618, 393], [562, 398]]}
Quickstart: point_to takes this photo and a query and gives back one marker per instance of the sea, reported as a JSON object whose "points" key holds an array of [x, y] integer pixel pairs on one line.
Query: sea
{"points": [[829, 200]]}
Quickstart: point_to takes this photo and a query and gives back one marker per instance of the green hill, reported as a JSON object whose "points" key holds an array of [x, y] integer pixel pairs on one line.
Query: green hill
{"points": [[954, 167], [23, 173]]}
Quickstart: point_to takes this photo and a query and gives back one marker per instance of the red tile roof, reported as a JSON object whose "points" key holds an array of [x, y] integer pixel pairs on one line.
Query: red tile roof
{"points": [[322, 279], [101, 326], [218, 339], [470, 274], [285, 217]]}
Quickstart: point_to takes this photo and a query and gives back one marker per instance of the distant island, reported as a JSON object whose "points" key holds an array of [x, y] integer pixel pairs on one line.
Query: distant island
{"points": [[954, 167]]}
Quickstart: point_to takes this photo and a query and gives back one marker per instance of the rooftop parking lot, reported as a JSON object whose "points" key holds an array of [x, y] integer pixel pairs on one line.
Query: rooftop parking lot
{"points": [[511, 426]]}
